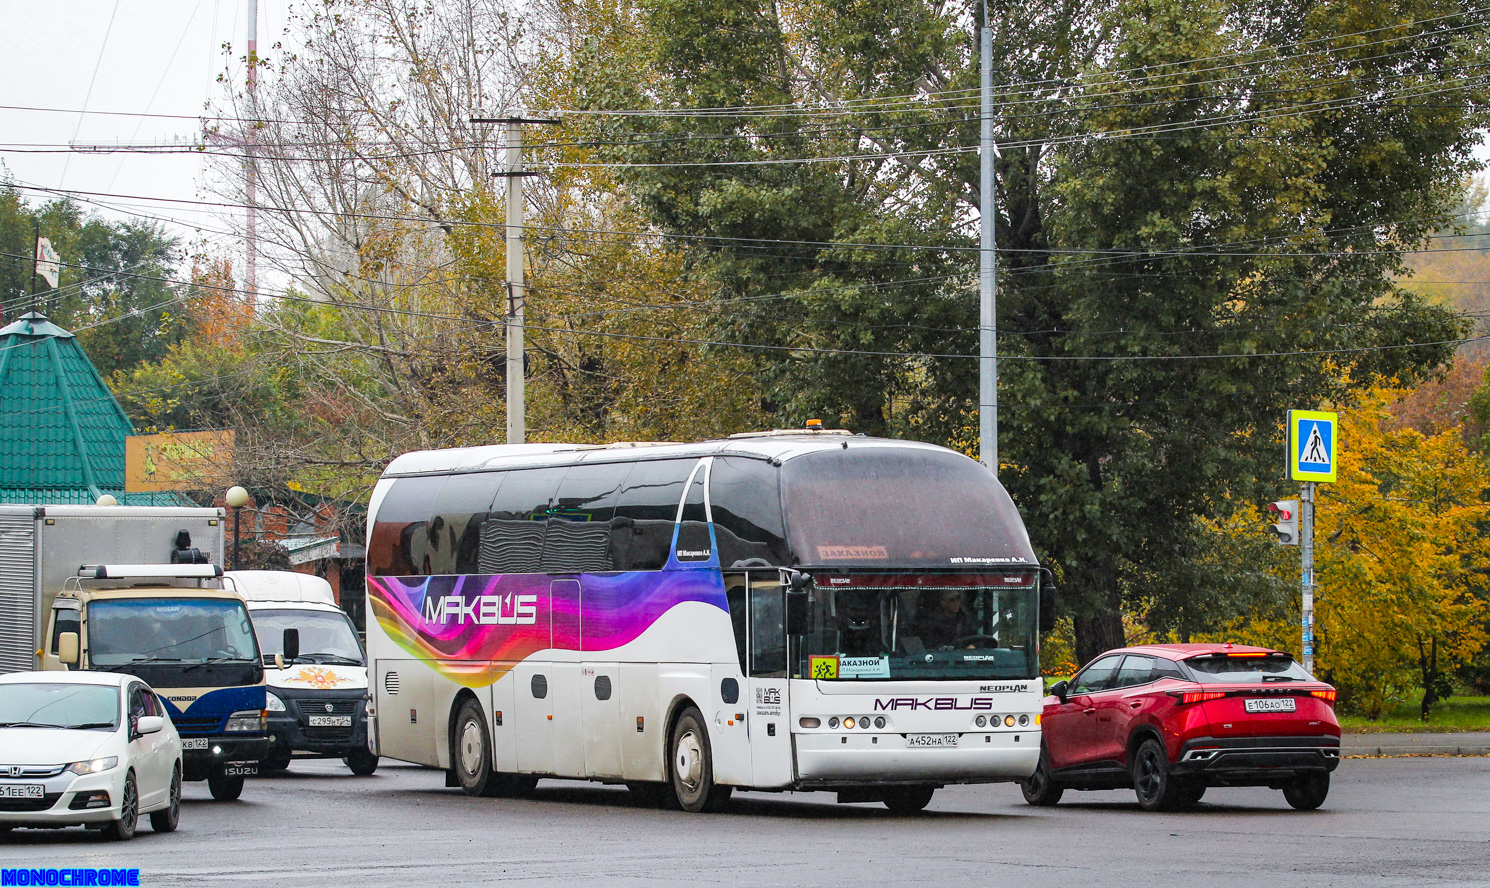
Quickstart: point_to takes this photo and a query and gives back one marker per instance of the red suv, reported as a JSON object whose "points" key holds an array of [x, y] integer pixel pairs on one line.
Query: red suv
{"points": [[1170, 720]]}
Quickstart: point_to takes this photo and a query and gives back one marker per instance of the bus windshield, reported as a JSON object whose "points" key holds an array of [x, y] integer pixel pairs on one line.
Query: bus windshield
{"points": [[898, 507], [125, 631], [925, 626]]}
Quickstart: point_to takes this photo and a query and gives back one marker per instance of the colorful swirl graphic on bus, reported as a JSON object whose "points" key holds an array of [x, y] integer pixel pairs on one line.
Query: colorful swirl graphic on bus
{"points": [[490, 622]]}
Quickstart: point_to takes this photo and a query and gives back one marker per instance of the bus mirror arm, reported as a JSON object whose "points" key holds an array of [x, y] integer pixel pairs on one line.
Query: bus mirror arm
{"points": [[1047, 600]]}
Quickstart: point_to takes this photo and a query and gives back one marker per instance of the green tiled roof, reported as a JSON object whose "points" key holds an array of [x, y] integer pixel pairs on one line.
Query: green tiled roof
{"points": [[61, 431]]}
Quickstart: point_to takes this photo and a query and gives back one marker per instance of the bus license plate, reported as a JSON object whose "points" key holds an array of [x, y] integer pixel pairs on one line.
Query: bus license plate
{"points": [[1277, 704], [193, 742], [330, 721], [931, 740], [22, 791]]}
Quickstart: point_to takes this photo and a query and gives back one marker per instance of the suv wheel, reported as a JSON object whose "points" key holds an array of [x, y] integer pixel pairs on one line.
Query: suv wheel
{"points": [[1040, 789], [1156, 788]]}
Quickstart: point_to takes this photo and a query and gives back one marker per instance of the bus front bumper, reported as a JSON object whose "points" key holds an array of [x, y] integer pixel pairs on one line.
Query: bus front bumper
{"points": [[840, 758]]}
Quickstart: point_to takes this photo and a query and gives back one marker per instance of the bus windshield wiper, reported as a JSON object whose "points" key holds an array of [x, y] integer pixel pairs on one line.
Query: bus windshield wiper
{"points": [[212, 661]]}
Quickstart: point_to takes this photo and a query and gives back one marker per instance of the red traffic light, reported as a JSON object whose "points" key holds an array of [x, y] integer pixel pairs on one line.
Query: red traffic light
{"points": [[1280, 510]]}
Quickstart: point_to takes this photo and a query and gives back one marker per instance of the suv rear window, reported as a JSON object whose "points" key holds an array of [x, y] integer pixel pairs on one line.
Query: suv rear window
{"points": [[1233, 669]]}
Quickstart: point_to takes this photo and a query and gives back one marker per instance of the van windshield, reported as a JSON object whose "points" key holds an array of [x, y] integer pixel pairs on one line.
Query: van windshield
{"points": [[126, 631], [325, 637]]}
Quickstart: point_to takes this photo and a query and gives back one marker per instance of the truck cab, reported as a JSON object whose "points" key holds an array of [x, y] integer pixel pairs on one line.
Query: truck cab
{"points": [[176, 627], [315, 668]]}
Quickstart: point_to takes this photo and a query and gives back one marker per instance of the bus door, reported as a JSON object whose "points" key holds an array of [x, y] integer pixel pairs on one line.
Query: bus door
{"points": [[767, 703]]}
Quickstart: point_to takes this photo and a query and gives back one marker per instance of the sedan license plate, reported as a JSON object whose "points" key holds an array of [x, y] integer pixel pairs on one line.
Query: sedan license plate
{"points": [[22, 791], [330, 721], [1276, 704], [193, 742], [931, 740]]}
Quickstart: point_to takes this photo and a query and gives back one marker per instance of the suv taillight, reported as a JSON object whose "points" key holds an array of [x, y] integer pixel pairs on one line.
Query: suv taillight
{"points": [[1196, 696], [1327, 696]]}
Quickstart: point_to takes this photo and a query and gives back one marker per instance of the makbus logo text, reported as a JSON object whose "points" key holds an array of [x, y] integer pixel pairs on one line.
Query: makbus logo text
{"points": [[484, 610]]}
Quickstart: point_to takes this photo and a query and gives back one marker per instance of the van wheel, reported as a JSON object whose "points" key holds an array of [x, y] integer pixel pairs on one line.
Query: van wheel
{"points": [[691, 766], [225, 787], [470, 751], [1307, 791], [129, 812], [904, 801], [362, 762]]}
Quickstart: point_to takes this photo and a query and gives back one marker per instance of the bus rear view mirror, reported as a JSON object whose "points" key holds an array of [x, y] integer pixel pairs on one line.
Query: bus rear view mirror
{"points": [[797, 611], [291, 644], [1047, 601]]}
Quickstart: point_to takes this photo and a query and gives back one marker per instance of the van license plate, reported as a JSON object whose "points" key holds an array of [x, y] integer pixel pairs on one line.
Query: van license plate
{"points": [[931, 740], [1277, 704], [330, 721], [22, 791], [193, 742]]}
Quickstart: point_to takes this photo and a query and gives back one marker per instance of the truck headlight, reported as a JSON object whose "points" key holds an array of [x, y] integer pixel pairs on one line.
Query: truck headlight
{"points": [[93, 766], [274, 703], [248, 720]]}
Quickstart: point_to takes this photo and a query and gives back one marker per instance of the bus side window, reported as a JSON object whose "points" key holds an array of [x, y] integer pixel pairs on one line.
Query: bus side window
{"points": [[767, 629], [399, 544], [579, 527], [460, 510], [512, 537], [746, 498], [642, 530]]}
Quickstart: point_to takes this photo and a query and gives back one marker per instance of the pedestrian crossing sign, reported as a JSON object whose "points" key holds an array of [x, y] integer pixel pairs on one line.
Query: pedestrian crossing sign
{"points": [[1312, 445]]}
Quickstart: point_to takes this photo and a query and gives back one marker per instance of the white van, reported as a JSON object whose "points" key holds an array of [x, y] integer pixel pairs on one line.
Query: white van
{"points": [[317, 701]]}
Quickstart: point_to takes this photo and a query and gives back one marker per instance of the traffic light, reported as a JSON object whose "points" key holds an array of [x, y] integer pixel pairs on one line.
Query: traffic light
{"points": [[1286, 516]]}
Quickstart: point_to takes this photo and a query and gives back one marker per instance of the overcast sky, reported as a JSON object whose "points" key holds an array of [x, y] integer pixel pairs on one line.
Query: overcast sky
{"points": [[98, 65]]}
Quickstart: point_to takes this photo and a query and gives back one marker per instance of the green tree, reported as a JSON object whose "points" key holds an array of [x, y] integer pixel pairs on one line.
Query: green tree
{"points": [[1201, 209]]}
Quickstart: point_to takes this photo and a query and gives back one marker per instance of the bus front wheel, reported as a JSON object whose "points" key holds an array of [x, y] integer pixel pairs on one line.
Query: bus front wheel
{"points": [[470, 751], [691, 766]]}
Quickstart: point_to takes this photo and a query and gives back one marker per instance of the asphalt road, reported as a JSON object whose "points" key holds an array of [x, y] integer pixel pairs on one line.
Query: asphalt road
{"points": [[1392, 821]]}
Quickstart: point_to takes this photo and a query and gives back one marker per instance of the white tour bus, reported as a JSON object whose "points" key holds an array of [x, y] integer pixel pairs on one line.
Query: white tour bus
{"points": [[776, 611]]}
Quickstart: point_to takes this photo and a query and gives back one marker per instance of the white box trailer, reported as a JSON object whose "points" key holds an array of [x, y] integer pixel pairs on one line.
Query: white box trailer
{"points": [[41, 546]]}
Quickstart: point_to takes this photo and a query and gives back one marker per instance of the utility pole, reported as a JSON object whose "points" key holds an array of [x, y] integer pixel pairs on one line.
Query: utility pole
{"points": [[252, 247], [517, 429], [988, 397]]}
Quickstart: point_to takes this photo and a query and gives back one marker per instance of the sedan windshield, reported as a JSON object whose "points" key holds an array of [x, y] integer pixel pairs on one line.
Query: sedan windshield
{"points": [[53, 705], [1229, 668], [324, 636], [127, 631]]}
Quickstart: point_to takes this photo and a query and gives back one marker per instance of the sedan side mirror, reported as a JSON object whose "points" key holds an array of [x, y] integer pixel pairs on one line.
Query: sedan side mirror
{"points": [[150, 724], [1059, 689]]}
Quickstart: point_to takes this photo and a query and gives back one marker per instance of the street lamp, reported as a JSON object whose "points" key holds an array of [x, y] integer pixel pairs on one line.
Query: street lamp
{"points": [[236, 497]]}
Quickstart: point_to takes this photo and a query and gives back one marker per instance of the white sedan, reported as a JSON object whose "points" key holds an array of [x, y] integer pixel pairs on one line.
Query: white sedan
{"points": [[93, 748]]}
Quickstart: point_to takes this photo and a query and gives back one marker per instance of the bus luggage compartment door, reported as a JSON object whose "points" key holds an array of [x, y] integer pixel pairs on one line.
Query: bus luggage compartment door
{"points": [[533, 695], [600, 702]]}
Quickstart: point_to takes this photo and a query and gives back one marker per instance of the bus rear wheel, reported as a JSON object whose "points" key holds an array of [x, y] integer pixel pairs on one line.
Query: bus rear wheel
{"points": [[691, 766], [906, 800]]}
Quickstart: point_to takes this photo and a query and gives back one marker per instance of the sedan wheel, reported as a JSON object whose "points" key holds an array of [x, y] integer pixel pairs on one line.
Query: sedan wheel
{"points": [[129, 812], [165, 819]]}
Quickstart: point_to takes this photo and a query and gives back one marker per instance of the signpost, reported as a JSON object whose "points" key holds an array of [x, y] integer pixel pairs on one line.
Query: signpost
{"points": [[1312, 450]]}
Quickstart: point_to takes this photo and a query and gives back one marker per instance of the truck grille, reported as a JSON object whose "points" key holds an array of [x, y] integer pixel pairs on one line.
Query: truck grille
{"points": [[196, 725]]}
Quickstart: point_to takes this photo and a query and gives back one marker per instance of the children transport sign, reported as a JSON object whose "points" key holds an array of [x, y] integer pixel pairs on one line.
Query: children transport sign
{"points": [[1312, 445]]}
